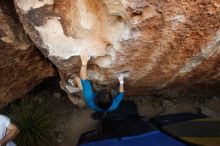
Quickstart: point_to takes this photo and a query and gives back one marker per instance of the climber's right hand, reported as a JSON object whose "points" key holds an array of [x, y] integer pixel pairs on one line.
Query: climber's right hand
{"points": [[84, 56]]}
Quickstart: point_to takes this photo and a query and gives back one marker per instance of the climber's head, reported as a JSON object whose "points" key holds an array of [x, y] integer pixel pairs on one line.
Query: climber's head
{"points": [[104, 99]]}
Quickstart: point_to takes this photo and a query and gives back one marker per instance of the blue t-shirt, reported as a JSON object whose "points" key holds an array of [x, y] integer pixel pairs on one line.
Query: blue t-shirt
{"points": [[90, 97]]}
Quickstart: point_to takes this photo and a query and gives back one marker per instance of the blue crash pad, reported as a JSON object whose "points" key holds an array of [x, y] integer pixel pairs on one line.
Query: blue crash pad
{"points": [[153, 138]]}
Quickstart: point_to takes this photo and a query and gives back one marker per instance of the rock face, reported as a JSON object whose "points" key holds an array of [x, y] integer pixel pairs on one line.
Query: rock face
{"points": [[22, 65], [169, 47]]}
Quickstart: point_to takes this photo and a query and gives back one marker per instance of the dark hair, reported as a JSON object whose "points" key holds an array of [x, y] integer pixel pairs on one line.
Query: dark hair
{"points": [[104, 99]]}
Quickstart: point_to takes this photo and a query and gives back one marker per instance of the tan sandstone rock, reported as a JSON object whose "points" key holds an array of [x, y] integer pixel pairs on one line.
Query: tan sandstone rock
{"points": [[169, 47], [22, 65]]}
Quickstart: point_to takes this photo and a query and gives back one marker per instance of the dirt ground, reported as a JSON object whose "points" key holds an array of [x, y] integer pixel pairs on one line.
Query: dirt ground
{"points": [[72, 121]]}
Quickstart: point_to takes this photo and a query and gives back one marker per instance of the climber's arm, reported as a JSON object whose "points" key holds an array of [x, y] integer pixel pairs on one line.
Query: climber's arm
{"points": [[83, 72], [84, 59], [120, 95], [121, 81], [86, 86], [88, 94], [121, 88]]}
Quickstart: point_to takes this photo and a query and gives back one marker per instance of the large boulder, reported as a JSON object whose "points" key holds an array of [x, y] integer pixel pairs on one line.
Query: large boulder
{"points": [[22, 65], [169, 47]]}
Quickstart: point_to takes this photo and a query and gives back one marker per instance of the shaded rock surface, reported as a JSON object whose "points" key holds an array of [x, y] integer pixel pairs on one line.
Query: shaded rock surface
{"points": [[22, 65], [169, 47]]}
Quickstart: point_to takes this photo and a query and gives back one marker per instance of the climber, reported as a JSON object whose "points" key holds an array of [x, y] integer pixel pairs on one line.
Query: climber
{"points": [[8, 131], [103, 100]]}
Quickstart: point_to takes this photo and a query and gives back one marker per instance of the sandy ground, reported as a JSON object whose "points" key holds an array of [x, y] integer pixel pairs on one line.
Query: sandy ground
{"points": [[72, 121]]}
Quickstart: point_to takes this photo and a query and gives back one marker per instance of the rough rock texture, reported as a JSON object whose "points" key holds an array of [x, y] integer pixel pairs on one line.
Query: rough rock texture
{"points": [[22, 65], [169, 47]]}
